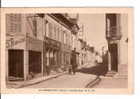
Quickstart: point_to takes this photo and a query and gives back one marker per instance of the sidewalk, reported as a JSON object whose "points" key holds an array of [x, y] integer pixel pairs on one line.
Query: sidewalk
{"points": [[112, 82], [20, 84]]}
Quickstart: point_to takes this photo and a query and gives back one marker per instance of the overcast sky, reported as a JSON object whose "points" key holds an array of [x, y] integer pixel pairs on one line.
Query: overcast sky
{"points": [[94, 29]]}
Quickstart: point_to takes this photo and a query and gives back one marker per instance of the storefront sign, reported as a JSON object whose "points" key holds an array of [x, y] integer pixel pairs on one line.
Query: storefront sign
{"points": [[52, 43]]}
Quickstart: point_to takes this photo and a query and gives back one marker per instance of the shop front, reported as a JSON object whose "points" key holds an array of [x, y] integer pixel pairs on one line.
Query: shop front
{"points": [[16, 64], [51, 56], [65, 57], [34, 61], [15, 45], [113, 36]]}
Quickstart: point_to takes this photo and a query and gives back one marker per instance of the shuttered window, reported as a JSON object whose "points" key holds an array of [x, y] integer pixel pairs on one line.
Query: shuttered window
{"points": [[13, 23], [35, 27], [50, 30]]}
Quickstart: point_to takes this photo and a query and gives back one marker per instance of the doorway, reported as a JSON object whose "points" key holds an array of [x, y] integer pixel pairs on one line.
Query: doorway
{"points": [[15, 63], [34, 62], [114, 57]]}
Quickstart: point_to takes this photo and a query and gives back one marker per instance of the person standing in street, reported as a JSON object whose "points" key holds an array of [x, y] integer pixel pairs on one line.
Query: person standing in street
{"points": [[73, 61]]}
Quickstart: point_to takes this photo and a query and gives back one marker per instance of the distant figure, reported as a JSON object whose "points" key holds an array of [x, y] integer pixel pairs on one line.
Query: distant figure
{"points": [[105, 63], [105, 58], [98, 58], [73, 61]]}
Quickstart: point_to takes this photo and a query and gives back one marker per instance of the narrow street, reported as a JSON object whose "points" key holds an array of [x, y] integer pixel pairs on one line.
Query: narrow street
{"points": [[79, 80], [67, 50], [88, 76], [82, 77]]}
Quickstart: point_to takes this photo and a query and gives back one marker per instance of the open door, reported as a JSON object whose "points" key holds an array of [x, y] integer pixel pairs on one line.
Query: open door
{"points": [[114, 57]]}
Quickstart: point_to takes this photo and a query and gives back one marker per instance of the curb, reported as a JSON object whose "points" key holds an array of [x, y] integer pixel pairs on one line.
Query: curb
{"points": [[49, 78], [93, 82]]}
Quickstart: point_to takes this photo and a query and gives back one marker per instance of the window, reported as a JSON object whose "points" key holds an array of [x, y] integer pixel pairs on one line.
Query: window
{"points": [[55, 30], [35, 27], [57, 34], [64, 37], [13, 23], [67, 38], [50, 30], [60, 34], [46, 30]]}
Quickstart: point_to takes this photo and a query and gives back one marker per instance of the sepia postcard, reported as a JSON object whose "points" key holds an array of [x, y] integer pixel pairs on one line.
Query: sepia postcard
{"points": [[67, 50]]}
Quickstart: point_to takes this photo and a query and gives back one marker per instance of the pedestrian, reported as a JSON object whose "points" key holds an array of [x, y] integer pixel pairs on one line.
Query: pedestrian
{"points": [[73, 61]]}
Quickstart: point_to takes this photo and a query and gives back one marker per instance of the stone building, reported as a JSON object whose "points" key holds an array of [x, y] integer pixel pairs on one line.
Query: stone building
{"points": [[117, 37], [24, 46], [58, 42], [37, 44]]}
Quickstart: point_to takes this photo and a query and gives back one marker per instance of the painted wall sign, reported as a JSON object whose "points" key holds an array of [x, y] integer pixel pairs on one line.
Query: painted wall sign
{"points": [[13, 41]]}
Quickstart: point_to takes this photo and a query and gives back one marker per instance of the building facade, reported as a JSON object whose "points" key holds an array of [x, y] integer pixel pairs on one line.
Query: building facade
{"points": [[24, 46], [117, 36], [57, 43], [37, 44]]}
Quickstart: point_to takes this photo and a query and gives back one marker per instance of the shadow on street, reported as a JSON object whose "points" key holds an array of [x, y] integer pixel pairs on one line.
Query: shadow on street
{"points": [[99, 69]]}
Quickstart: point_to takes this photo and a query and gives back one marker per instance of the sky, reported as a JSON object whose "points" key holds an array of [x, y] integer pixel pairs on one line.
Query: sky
{"points": [[94, 29]]}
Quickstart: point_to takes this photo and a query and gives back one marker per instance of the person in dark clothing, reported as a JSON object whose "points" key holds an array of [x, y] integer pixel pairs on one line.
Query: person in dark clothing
{"points": [[105, 63], [73, 61]]}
